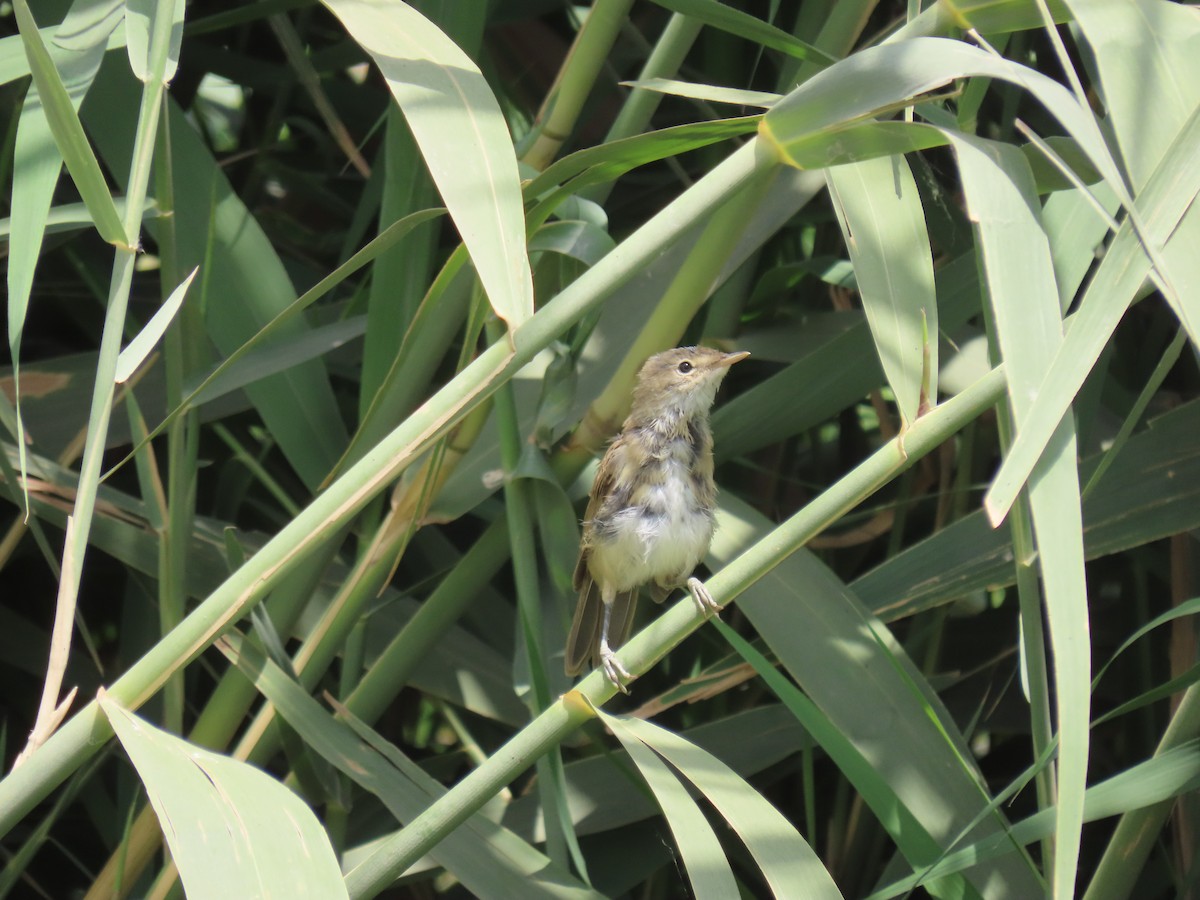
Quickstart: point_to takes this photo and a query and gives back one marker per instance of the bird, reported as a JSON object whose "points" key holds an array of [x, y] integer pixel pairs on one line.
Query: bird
{"points": [[651, 513]]}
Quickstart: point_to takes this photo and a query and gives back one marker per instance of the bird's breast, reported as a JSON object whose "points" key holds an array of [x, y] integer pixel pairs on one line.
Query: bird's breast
{"points": [[663, 528]]}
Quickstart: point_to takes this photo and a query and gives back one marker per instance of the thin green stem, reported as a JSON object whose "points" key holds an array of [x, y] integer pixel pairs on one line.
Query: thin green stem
{"points": [[518, 507], [183, 443], [576, 80]]}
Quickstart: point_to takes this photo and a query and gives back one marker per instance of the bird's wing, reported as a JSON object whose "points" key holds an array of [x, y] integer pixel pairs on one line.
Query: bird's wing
{"points": [[585, 627], [601, 489]]}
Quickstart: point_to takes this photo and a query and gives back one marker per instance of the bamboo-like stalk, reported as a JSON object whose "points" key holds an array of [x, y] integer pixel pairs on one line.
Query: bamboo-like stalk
{"points": [[576, 79], [519, 514], [181, 355]]}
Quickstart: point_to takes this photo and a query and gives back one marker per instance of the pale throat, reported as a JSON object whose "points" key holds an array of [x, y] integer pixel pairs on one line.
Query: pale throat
{"points": [[685, 418]]}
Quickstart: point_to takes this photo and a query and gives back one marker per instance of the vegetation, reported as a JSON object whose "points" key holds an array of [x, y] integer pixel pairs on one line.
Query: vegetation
{"points": [[319, 315]]}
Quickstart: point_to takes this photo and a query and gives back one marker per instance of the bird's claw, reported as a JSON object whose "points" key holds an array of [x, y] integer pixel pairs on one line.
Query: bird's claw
{"points": [[704, 600], [613, 669]]}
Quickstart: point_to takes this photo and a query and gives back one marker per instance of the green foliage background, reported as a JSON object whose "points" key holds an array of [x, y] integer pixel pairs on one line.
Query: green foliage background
{"points": [[319, 314]]}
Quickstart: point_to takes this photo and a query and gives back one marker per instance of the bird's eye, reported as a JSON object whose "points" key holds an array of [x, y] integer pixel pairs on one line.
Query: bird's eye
{"points": [[685, 367]]}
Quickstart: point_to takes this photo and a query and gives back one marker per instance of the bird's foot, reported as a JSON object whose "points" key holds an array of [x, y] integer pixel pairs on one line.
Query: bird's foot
{"points": [[616, 672], [704, 600]]}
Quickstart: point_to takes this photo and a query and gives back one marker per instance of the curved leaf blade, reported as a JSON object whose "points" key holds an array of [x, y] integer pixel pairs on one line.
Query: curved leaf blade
{"points": [[1169, 212], [883, 224], [1015, 258], [139, 25], [708, 868], [463, 136], [788, 864], [891, 76], [68, 131], [815, 625], [233, 830], [480, 853], [734, 21], [139, 348]]}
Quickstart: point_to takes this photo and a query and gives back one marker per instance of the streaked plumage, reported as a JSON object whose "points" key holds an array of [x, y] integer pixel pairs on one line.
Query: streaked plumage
{"points": [[650, 518]]}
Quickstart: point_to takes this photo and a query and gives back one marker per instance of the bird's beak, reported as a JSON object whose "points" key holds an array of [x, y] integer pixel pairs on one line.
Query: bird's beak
{"points": [[730, 358]]}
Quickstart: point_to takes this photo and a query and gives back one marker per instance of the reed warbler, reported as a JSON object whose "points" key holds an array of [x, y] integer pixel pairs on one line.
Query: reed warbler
{"points": [[650, 516]]}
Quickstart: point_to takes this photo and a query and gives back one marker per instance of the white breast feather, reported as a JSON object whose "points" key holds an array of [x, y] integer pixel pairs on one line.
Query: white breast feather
{"points": [[639, 551]]}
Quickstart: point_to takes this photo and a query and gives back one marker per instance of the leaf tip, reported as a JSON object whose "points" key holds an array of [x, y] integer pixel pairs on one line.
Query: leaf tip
{"points": [[996, 509]]}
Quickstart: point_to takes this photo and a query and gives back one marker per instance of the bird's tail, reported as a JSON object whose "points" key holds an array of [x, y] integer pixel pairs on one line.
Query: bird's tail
{"points": [[583, 644]]}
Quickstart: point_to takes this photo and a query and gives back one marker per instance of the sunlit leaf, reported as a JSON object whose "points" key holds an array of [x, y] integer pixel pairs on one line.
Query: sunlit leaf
{"points": [[464, 139], [233, 830]]}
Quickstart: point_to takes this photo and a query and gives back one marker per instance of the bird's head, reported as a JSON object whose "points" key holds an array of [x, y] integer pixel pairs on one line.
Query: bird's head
{"points": [[680, 383]]}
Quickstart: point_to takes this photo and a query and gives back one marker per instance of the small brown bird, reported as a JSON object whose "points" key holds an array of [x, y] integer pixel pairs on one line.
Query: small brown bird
{"points": [[650, 518]]}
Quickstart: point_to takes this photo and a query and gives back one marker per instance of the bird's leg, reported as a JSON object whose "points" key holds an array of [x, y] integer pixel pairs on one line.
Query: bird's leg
{"points": [[608, 659], [704, 600]]}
